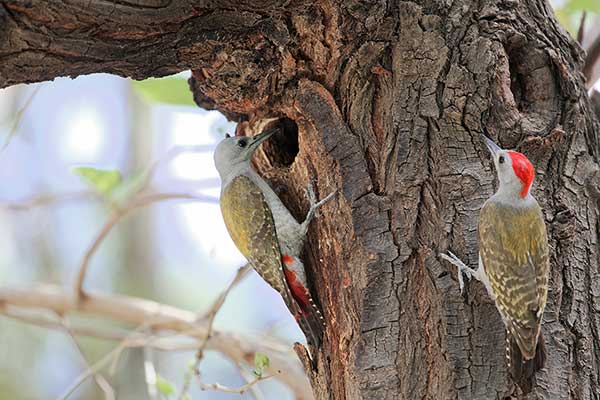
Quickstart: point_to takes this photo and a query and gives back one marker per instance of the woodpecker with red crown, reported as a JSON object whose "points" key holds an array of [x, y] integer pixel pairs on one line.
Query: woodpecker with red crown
{"points": [[514, 262], [265, 231]]}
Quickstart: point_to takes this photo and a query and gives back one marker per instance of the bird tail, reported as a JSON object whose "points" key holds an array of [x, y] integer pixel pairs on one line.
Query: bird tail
{"points": [[312, 324], [305, 310], [307, 315], [523, 370]]}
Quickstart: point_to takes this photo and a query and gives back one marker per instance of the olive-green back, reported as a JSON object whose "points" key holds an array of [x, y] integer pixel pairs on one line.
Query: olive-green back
{"points": [[250, 224], [514, 251]]}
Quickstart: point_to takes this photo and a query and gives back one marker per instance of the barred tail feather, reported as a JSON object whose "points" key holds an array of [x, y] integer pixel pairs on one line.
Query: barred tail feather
{"points": [[521, 370], [312, 324], [308, 317]]}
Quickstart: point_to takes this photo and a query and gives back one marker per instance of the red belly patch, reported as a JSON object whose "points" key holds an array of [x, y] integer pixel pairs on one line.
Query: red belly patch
{"points": [[287, 260], [299, 292]]}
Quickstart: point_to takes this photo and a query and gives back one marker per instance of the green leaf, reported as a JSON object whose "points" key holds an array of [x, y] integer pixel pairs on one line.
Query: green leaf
{"points": [[165, 90], [261, 362], [103, 181], [582, 5], [128, 188], [569, 13], [191, 365], [164, 386]]}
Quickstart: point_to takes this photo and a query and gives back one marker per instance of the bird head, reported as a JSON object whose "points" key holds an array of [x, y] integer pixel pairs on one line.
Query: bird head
{"points": [[235, 151], [515, 171]]}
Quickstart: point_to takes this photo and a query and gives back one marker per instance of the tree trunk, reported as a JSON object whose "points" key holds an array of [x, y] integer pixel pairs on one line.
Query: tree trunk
{"points": [[386, 101]]}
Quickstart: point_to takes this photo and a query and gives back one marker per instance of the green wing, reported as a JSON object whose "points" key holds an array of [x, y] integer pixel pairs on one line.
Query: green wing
{"points": [[250, 224], [514, 251]]}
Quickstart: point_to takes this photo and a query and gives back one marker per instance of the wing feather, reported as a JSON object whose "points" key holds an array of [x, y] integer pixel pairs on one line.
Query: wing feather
{"points": [[250, 224], [514, 252]]}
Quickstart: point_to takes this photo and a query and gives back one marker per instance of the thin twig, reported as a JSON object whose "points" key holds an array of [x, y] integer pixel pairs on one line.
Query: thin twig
{"points": [[593, 53], [47, 199], [116, 216], [113, 219], [18, 117], [249, 377], [241, 390], [210, 316], [214, 310], [581, 30], [93, 369], [216, 306], [109, 393]]}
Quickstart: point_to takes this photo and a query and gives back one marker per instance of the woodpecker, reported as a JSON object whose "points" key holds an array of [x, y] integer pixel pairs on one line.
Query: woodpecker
{"points": [[265, 231], [514, 262]]}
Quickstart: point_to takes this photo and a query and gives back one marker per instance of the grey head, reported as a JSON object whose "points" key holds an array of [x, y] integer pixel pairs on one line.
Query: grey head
{"points": [[235, 152], [515, 171]]}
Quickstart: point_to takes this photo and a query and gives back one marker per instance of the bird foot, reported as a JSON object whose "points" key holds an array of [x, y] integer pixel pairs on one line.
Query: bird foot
{"points": [[314, 204], [462, 268]]}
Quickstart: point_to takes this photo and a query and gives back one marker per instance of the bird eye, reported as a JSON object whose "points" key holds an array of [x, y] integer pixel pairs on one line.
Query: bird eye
{"points": [[242, 142], [501, 160]]}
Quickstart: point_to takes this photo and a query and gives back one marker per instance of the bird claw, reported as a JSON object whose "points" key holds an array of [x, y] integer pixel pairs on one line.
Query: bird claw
{"points": [[462, 268], [310, 192], [327, 198], [314, 204]]}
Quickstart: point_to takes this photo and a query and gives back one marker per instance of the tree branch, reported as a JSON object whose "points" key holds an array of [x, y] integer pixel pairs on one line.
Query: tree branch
{"points": [[32, 47], [112, 356], [212, 313], [236, 50], [138, 201], [44, 39], [18, 119], [591, 44], [157, 318], [119, 214], [593, 53], [48, 199], [241, 390], [109, 393], [581, 30]]}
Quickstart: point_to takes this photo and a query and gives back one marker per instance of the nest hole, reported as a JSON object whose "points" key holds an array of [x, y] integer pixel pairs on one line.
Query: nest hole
{"points": [[517, 84], [281, 149]]}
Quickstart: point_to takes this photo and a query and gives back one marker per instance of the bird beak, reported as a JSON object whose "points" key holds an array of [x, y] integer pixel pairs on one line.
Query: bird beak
{"points": [[492, 147], [261, 137]]}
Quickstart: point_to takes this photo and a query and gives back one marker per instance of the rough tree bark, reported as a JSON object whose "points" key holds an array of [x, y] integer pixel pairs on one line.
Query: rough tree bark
{"points": [[386, 101]]}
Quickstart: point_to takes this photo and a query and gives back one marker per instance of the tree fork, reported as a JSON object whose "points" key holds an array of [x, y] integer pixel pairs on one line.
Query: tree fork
{"points": [[388, 100]]}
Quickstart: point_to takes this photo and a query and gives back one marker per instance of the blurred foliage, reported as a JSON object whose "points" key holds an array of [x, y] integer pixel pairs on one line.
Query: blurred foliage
{"points": [[128, 187], [569, 13], [165, 387], [261, 362], [17, 119], [110, 183], [103, 181], [172, 90]]}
